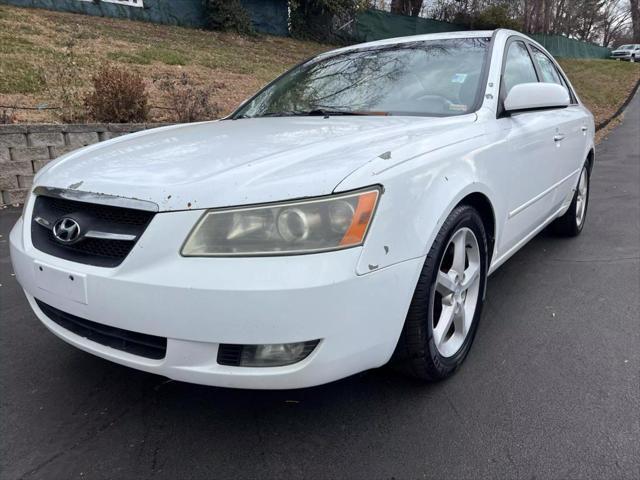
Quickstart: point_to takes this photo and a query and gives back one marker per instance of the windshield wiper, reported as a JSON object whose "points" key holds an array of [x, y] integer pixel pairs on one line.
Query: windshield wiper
{"points": [[325, 112], [284, 113]]}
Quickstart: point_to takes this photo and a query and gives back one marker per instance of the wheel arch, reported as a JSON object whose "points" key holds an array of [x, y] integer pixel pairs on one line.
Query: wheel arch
{"points": [[484, 207], [591, 158]]}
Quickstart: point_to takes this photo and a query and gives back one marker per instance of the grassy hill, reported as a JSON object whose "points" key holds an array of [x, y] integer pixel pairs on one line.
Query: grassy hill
{"points": [[35, 43], [603, 85], [46, 55]]}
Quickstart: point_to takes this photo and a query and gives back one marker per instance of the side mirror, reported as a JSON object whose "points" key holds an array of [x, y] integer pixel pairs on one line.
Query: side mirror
{"points": [[536, 96]]}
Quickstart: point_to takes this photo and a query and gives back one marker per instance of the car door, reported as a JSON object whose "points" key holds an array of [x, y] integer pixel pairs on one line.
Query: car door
{"points": [[573, 127], [530, 150]]}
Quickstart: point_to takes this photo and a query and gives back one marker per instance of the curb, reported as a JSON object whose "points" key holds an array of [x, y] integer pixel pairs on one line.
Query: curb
{"points": [[624, 105]]}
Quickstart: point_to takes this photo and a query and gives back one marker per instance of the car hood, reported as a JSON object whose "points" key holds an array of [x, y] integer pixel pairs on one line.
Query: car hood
{"points": [[240, 162]]}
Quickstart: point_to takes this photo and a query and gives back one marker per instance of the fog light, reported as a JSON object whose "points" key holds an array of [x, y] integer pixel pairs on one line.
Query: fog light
{"points": [[269, 355]]}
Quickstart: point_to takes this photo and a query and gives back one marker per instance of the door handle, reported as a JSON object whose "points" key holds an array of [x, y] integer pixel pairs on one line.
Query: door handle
{"points": [[558, 137], [584, 128]]}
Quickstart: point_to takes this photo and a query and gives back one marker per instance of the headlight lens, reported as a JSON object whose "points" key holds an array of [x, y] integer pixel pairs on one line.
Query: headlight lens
{"points": [[304, 226]]}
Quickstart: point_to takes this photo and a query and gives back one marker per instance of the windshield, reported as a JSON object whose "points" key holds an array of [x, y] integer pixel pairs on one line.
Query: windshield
{"points": [[626, 47], [430, 78]]}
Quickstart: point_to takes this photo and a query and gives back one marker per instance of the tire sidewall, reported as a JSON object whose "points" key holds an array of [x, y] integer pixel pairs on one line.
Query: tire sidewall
{"points": [[574, 205], [467, 218]]}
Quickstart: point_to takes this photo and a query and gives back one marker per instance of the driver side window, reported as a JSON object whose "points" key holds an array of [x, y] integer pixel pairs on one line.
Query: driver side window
{"points": [[518, 67]]}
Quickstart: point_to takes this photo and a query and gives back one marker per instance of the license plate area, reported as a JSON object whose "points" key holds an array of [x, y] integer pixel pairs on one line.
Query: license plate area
{"points": [[63, 283]]}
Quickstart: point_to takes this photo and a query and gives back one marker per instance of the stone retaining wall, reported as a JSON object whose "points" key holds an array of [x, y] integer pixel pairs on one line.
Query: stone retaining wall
{"points": [[25, 149]]}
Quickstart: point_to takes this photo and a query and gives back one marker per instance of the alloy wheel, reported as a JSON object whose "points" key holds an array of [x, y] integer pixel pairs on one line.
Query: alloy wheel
{"points": [[456, 294], [581, 199]]}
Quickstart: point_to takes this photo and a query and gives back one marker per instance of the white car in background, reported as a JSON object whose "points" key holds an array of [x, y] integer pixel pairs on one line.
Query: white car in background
{"points": [[345, 216], [627, 52]]}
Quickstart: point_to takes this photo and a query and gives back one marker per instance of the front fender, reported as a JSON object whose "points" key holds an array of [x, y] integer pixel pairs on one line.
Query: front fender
{"points": [[418, 196]]}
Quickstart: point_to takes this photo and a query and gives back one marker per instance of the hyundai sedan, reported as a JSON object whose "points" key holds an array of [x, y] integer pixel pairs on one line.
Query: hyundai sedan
{"points": [[344, 217]]}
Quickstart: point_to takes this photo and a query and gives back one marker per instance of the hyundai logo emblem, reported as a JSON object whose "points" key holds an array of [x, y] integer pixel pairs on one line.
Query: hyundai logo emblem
{"points": [[66, 230]]}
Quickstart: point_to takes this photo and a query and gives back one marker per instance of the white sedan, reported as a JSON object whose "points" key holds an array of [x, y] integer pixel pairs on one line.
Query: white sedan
{"points": [[346, 216]]}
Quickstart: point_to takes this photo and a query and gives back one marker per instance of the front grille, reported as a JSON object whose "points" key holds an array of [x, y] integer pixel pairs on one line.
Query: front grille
{"points": [[108, 213], [140, 344], [90, 216]]}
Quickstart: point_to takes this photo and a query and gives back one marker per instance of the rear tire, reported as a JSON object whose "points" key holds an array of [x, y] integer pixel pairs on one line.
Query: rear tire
{"points": [[447, 302], [572, 222]]}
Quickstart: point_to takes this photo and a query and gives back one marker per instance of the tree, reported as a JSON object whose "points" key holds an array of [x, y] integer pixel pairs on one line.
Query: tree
{"points": [[614, 21], [496, 16], [635, 20], [323, 20], [228, 15], [406, 7], [600, 21]]}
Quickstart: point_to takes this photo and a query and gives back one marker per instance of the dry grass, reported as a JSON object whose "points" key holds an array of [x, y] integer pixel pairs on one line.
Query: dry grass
{"points": [[603, 85], [33, 42]]}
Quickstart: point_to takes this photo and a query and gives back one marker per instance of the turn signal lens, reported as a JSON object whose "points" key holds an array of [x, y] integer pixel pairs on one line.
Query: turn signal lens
{"points": [[360, 219], [304, 226]]}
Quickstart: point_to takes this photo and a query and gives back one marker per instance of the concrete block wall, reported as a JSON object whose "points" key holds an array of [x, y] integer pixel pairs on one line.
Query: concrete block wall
{"points": [[25, 149]]}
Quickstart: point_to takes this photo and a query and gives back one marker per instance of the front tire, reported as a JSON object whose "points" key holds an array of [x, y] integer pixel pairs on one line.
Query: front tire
{"points": [[572, 222], [447, 303]]}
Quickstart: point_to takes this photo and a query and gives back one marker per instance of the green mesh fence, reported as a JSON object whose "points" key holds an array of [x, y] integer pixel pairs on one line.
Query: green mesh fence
{"points": [[560, 46], [377, 25]]}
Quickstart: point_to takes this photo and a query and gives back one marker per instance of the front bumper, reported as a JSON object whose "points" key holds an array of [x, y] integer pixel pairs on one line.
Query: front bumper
{"points": [[198, 303]]}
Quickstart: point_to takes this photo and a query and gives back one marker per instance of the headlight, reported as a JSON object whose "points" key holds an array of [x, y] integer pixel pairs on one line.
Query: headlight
{"points": [[303, 226]]}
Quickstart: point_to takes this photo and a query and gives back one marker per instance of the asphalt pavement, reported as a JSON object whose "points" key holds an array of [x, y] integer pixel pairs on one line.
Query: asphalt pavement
{"points": [[551, 388]]}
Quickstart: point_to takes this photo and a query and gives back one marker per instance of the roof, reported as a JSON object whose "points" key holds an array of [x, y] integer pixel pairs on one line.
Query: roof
{"points": [[415, 38]]}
